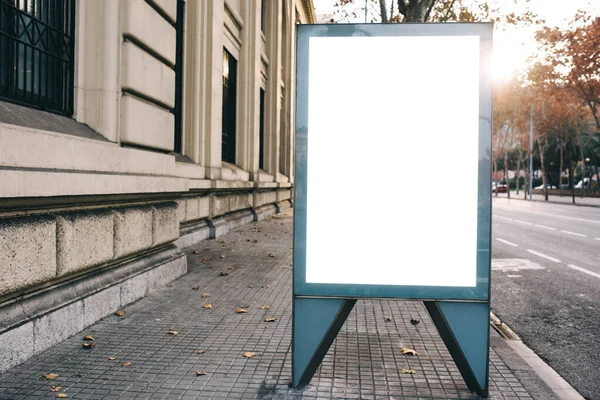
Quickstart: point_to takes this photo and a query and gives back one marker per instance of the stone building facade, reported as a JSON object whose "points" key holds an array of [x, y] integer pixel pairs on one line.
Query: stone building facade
{"points": [[130, 129]]}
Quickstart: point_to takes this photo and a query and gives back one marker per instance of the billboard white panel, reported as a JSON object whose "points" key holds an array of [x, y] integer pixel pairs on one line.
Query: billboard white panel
{"points": [[392, 179]]}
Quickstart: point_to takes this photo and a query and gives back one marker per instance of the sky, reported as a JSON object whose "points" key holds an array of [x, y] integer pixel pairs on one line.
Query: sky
{"points": [[513, 45]]}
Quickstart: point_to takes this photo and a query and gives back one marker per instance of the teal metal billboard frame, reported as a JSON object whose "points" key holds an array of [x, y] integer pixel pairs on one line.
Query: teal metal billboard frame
{"points": [[461, 314]]}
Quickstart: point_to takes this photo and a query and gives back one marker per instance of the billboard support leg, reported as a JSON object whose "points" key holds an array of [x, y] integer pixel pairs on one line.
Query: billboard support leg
{"points": [[464, 327], [316, 323]]}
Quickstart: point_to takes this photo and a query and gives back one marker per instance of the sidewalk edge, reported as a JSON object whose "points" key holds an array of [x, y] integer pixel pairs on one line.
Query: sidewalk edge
{"points": [[560, 387]]}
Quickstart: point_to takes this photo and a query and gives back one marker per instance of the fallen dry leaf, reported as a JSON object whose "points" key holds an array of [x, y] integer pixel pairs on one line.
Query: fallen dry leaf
{"points": [[169, 285], [408, 371], [196, 287], [196, 252], [88, 345], [265, 307], [207, 306], [414, 321], [206, 259], [61, 395], [88, 337], [221, 256], [270, 319], [205, 295], [284, 266], [291, 247], [174, 333], [201, 351], [51, 376], [112, 358], [271, 254], [249, 354], [408, 352], [126, 364], [223, 273], [200, 373], [387, 319], [120, 313], [241, 310], [265, 286], [55, 388]]}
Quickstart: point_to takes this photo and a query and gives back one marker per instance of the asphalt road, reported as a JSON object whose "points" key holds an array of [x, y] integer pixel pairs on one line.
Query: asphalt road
{"points": [[546, 284]]}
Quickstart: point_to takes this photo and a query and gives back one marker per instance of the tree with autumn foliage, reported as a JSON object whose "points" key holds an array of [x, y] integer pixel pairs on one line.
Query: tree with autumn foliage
{"points": [[510, 130], [560, 118], [443, 10], [573, 56]]}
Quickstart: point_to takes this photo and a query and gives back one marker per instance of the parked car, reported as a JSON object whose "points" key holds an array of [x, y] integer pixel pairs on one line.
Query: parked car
{"points": [[548, 186], [500, 188], [585, 183]]}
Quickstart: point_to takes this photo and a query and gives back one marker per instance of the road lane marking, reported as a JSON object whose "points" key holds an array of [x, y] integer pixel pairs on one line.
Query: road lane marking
{"points": [[597, 238], [514, 264], [504, 218], [507, 242], [523, 222], [585, 271], [545, 227], [574, 233], [537, 253]]}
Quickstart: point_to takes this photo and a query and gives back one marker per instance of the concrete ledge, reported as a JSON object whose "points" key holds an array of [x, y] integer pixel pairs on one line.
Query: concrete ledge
{"points": [[33, 324], [193, 234], [264, 211], [133, 230], [84, 238], [27, 252], [239, 218]]}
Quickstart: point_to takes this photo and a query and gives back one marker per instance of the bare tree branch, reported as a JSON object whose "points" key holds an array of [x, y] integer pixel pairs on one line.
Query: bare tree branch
{"points": [[429, 11]]}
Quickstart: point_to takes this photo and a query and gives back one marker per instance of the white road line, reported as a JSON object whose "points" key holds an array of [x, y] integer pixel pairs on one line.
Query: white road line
{"points": [[545, 227], [597, 238], [507, 242], [523, 222], [585, 271], [504, 218], [537, 253], [574, 233]]}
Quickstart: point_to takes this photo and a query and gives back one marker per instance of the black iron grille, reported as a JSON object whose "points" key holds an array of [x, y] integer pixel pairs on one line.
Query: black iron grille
{"points": [[36, 53]]}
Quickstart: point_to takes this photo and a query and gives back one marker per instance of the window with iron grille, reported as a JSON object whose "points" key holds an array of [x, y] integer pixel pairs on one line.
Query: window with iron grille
{"points": [[229, 107], [36, 53]]}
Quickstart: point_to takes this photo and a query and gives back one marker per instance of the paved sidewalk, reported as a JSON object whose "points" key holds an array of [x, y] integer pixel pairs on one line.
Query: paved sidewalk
{"points": [[567, 199], [363, 363]]}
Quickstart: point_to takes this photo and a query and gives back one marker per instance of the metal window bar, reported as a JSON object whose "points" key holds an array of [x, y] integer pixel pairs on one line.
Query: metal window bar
{"points": [[179, 29], [229, 107], [37, 53], [261, 131]]}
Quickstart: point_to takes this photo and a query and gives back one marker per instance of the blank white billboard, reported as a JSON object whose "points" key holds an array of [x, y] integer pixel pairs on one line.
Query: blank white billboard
{"points": [[392, 178]]}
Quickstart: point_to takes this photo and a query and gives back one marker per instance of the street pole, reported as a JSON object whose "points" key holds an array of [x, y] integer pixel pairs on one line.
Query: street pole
{"points": [[531, 154]]}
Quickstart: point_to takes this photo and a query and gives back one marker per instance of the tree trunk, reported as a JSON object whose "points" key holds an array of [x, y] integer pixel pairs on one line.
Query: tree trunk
{"points": [[571, 182], [506, 174], [541, 149], [496, 175], [560, 171], [383, 11], [415, 10], [582, 167], [518, 173]]}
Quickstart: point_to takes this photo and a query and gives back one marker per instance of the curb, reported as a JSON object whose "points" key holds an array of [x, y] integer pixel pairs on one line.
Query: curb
{"points": [[555, 382]]}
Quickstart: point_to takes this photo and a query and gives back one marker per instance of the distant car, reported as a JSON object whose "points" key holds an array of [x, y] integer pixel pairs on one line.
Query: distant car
{"points": [[548, 186], [500, 188]]}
